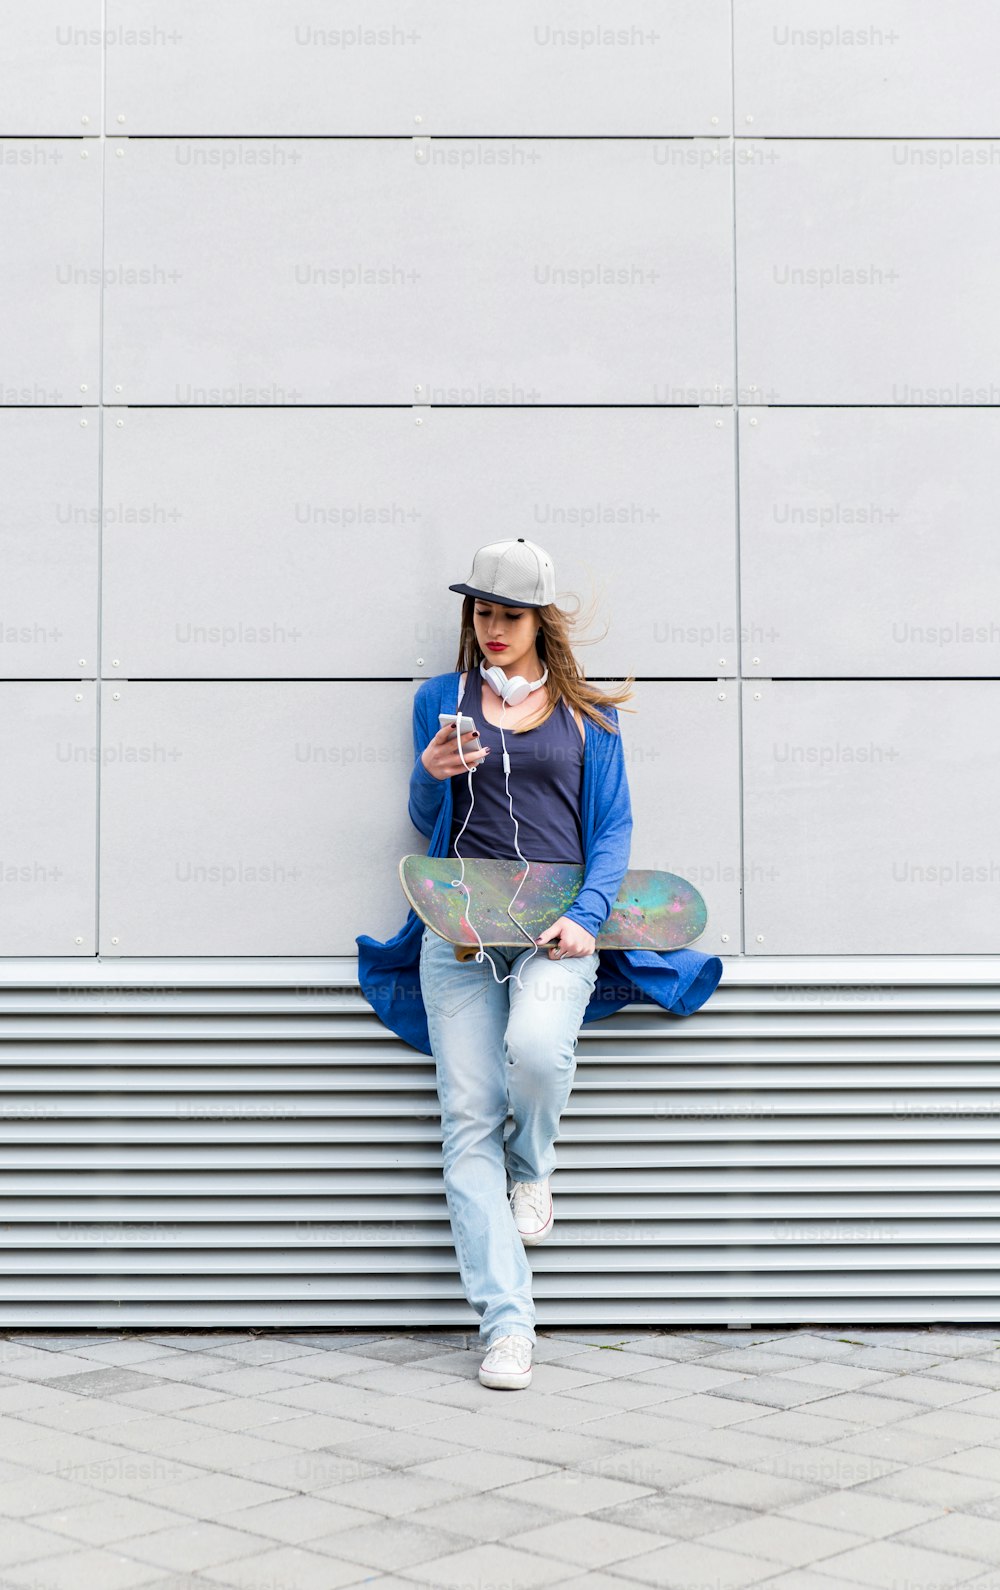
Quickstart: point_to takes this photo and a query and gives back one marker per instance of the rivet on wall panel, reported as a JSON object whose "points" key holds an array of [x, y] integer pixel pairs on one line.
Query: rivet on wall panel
{"points": [[116, 695], [756, 662], [78, 939], [715, 121], [722, 695], [120, 424], [78, 696], [760, 938], [115, 663], [84, 422], [753, 422], [724, 937], [119, 153], [114, 941], [756, 695], [119, 118], [83, 387], [722, 662], [420, 662], [82, 662], [85, 120], [83, 154]]}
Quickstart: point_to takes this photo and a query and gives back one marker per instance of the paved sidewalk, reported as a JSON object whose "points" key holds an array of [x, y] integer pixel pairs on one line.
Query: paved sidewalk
{"points": [[804, 1459]]}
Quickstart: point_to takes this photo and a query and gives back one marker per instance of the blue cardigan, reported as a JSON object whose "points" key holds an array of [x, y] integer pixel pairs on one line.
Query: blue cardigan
{"points": [[678, 980]]}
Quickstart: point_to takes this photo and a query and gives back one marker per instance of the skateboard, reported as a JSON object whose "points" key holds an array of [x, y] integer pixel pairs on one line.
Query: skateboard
{"points": [[653, 911]]}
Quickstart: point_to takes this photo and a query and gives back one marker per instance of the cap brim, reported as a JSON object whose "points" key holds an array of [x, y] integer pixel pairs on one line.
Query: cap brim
{"points": [[491, 596]]}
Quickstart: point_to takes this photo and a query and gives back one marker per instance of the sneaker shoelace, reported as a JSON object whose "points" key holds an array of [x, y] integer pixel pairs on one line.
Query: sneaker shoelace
{"points": [[533, 1193], [509, 1352]]}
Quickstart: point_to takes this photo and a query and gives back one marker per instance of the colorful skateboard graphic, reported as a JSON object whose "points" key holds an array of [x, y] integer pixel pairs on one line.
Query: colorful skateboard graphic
{"points": [[653, 911]]}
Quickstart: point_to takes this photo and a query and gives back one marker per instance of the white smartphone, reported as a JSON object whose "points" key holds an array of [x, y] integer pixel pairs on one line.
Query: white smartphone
{"points": [[468, 726]]}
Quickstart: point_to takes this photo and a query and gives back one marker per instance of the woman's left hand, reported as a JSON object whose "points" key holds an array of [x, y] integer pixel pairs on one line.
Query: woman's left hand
{"points": [[573, 939]]}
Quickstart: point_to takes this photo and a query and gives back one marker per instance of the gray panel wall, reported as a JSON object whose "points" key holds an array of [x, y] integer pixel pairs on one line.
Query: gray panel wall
{"points": [[369, 299]]}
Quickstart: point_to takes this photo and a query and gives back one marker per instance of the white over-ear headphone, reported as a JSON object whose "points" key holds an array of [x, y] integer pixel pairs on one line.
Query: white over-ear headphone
{"points": [[512, 691]]}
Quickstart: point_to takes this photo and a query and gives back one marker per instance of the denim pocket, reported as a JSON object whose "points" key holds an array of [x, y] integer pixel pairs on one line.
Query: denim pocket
{"points": [[446, 983]]}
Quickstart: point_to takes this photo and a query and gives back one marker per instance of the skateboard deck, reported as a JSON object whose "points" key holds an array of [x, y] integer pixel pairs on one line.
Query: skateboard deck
{"points": [[653, 911]]}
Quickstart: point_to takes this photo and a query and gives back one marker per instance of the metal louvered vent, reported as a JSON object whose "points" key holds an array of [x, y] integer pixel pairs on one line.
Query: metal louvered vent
{"points": [[233, 1142]]}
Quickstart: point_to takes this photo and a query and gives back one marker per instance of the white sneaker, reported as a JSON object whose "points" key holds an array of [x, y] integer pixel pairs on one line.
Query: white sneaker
{"points": [[531, 1206], [507, 1365]]}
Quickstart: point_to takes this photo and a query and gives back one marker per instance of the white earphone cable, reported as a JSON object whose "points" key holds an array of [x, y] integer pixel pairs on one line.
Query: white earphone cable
{"points": [[460, 883]]}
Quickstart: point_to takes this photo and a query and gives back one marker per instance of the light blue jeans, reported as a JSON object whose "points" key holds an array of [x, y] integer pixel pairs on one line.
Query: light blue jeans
{"points": [[500, 1048]]}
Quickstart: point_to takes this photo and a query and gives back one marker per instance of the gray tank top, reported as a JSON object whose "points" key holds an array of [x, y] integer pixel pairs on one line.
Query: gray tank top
{"points": [[546, 776]]}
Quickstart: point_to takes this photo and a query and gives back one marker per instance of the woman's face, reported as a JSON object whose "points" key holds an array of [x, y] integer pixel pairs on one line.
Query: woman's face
{"points": [[506, 636]]}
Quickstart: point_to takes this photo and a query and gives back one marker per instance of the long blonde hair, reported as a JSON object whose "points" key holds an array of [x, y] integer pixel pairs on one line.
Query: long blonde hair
{"points": [[567, 680]]}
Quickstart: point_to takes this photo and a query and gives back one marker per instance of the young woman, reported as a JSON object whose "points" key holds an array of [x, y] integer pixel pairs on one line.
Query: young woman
{"points": [[503, 1027]]}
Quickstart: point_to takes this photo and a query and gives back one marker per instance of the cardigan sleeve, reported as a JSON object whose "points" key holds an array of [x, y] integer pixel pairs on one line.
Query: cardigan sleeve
{"points": [[608, 854], [426, 791]]}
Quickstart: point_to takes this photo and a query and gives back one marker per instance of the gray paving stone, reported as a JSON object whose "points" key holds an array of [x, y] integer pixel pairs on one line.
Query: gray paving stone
{"points": [[407, 1380], [296, 1520], [25, 1542], [84, 1414], [482, 1470], [933, 1486], [861, 1512], [862, 1408], [123, 1350], [212, 1495], [802, 1424], [751, 1360], [107, 1569], [691, 1563], [486, 1516], [983, 1461], [887, 1562], [813, 1347], [837, 1375], [935, 1392], [488, 1565], [961, 1534], [394, 1493], [589, 1542], [403, 1349], [399, 1449], [782, 1539], [193, 1545], [173, 1396], [314, 1431], [310, 1472], [152, 1433], [688, 1377], [392, 1544], [571, 1491], [624, 1394], [606, 1361], [250, 1382], [38, 1496], [240, 1413], [109, 1520], [896, 1442], [648, 1467], [771, 1391], [287, 1568], [953, 1424], [896, 1359], [971, 1371], [747, 1488], [680, 1517]]}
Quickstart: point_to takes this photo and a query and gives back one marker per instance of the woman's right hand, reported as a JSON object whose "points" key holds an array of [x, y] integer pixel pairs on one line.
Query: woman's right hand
{"points": [[441, 757]]}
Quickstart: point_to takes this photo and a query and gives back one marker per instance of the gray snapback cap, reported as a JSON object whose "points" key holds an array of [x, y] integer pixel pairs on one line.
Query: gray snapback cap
{"points": [[518, 572]]}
